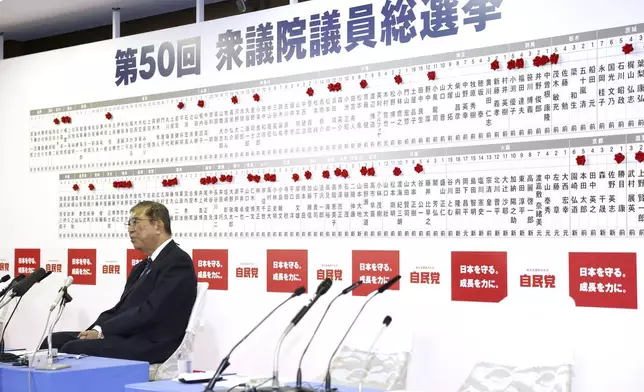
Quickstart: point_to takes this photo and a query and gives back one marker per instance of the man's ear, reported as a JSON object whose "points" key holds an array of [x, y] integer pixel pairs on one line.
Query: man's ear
{"points": [[159, 226]]}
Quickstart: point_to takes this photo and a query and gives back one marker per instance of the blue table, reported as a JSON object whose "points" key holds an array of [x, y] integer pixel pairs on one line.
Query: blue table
{"points": [[88, 374], [175, 386], [165, 386]]}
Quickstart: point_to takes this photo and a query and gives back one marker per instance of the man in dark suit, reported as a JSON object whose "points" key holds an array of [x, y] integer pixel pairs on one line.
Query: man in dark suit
{"points": [[149, 321]]}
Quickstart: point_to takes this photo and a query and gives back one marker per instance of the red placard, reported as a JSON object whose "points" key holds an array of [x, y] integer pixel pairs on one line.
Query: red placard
{"points": [[212, 267], [26, 261], [81, 265], [603, 280], [374, 268], [132, 258], [479, 276], [286, 270]]}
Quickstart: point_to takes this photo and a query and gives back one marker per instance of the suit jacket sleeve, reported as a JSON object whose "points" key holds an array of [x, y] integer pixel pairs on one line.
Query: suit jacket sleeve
{"points": [[165, 298], [136, 271]]}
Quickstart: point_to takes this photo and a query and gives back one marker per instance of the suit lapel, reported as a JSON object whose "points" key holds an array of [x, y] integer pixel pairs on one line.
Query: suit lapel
{"points": [[164, 252]]}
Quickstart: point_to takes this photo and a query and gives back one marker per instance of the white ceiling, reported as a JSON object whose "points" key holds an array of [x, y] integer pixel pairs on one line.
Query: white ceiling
{"points": [[30, 19]]}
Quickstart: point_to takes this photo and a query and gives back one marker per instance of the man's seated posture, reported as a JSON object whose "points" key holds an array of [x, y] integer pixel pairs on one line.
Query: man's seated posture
{"points": [[149, 321]]}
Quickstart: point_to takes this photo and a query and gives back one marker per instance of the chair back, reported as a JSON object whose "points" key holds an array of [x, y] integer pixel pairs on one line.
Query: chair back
{"points": [[528, 346], [170, 369], [383, 367]]}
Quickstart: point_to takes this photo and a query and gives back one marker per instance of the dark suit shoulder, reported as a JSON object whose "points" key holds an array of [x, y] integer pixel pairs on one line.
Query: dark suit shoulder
{"points": [[173, 255]]}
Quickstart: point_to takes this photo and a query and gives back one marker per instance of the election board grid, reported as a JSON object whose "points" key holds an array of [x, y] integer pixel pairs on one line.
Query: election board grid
{"points": [[466, 152], [595, 279], [516, 174]]}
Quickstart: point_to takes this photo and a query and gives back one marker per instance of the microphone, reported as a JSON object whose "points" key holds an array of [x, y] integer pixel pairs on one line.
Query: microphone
{"points": [[365, 369], [388, 285], [298, 384], [225, 362], [380, 290], [21, 288], [12, 284], [44, 276], [61, 292], [322, 289], [18, 291], [5, 278], [62, 299]]}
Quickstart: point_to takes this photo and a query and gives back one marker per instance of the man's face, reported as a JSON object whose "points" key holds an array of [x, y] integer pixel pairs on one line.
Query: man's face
{"points": [[144, 233]]}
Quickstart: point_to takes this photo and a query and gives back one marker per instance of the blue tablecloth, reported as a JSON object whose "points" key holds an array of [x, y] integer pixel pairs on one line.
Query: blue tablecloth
{"points": [[89, 374], [175, 386]]}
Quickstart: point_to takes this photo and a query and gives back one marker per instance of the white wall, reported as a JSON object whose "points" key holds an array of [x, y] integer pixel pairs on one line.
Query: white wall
{"points": [[608, 342]]}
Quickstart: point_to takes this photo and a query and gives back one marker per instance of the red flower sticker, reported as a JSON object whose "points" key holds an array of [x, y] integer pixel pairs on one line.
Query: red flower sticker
{"points": [[108, 115], [345, 173], [337, 172], [201, 103], [250, 177], [256, 97], [66, 120], [619, 158], [371, 172], [203, 180], [554, 58], [122, 184], [307, 175], [495, 65], [520, 63], [512, 64], [639, 156], [180, 105], [364, 170], [257, 178], [398, 79], [628, 48], [222, 178], [418, 168], [267, 177], [326, 174], [431, 75], [170, 182], [296, 177], [310, 92], [56, 121], [363, 83], [335, 87], [91, 187], [397, 171], [75, 187], [234, 100], [540, 60], [581, 160], [229, 178]]}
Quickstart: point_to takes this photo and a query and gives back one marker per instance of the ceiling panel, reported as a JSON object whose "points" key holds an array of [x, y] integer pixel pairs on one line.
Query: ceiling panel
{"points": [[31, 19]]}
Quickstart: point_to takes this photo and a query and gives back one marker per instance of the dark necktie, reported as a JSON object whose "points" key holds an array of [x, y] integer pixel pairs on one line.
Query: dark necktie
{"points": [[147, 262], [146, 268]]}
